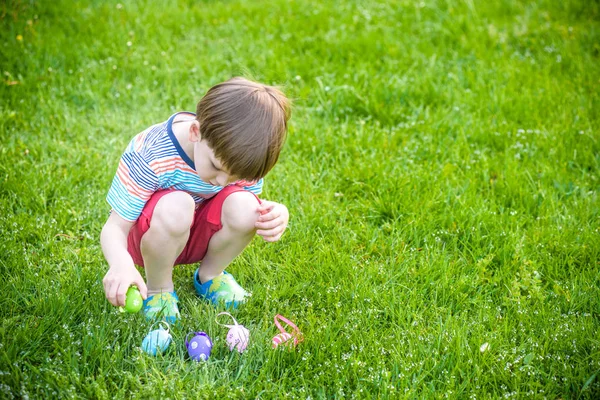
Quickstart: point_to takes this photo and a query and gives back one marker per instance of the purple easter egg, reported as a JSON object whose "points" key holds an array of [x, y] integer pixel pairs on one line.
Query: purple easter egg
{"points": [[238, 337], [199, 347]]}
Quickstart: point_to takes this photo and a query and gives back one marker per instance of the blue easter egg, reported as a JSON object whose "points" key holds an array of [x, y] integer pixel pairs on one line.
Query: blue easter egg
{"points": [[156, 341]]}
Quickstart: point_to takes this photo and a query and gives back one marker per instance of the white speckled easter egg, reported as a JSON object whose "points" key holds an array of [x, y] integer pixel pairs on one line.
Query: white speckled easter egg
{"points": [[200, 347]]}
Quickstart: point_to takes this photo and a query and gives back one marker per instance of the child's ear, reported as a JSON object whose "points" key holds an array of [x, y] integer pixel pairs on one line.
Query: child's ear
{"points": [[194, 134]]}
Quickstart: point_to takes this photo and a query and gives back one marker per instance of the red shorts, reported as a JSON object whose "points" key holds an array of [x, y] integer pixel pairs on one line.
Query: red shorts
{"points": [[207, 221]]}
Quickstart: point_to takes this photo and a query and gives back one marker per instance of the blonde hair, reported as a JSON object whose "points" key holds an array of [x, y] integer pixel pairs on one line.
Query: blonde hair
{"points": [[245, 125]]}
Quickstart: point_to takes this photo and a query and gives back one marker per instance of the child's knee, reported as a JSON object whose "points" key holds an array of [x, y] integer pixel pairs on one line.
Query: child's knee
{"points": [[239, 212], [174, 213]]}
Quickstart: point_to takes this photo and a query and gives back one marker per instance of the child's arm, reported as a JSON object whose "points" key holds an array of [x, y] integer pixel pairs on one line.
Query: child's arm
{"points": [[122, 272], [272, 221]]}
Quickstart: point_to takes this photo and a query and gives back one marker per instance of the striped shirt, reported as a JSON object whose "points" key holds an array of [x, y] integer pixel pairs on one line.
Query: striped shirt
{"points": [[154, 160]]}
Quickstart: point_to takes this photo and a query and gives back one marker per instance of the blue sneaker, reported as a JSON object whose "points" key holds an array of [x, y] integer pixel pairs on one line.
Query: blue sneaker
{"points": [[221, 290], [162, 305]]}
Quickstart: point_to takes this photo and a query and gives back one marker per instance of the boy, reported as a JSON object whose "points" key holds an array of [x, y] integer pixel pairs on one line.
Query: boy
{"points": [[186, 191]]}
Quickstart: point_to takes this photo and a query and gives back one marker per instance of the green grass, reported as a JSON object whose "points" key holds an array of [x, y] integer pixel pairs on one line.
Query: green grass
{"points": [[441, 172]]}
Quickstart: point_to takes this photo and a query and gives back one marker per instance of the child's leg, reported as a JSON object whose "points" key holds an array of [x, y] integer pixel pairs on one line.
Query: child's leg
{"points": [[238, 217], [165, 239]]}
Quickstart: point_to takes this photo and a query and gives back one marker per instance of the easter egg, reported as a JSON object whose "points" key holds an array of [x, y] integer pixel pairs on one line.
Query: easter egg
{"points": [[238, 335], [238, 338], [133, 301], [199, 347], [284, 339], [156, 341]]}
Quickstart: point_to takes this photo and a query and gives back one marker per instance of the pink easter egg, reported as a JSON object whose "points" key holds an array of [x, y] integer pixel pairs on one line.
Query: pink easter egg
{"points": [[282, 338], [238, 338]]}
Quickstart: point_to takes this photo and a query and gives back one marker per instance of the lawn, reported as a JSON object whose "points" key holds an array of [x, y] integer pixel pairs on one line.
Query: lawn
{"points": [[441, 172]]}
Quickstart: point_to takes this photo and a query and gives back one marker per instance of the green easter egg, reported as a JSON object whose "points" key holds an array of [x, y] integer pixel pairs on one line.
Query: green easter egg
{"points": [[134, 301]]}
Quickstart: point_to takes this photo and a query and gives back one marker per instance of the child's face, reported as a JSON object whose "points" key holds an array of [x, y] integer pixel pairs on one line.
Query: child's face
{"points": [[209, 168]]}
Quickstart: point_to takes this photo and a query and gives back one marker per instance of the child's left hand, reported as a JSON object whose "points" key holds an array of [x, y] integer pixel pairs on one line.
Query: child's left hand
{"points": [[272, 221]]}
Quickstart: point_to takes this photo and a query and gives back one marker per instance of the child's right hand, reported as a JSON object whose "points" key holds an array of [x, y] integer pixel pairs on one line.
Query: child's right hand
{"points": [[118, 279]]}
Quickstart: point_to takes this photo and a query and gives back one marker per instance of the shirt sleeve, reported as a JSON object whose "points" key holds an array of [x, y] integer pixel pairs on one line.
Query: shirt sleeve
{"points": [[254, 187], [132, 186]]}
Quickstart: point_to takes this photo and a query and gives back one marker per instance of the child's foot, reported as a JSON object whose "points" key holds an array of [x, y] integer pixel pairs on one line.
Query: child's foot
{"points": [[162, 305], [222, 289]]}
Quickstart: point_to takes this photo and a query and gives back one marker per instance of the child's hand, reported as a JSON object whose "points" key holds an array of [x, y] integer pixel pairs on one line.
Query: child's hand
{"points": [[272, 221], [118, 279]]}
